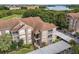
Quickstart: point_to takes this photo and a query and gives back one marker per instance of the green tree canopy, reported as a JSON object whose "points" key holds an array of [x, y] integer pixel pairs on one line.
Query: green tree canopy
{"points": [[56, 17], [5, 42]]}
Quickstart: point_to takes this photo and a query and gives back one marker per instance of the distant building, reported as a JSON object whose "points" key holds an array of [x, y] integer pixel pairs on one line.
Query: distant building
{"points": [[30, 30], [73, 21], [32, 6], [12, 7]]}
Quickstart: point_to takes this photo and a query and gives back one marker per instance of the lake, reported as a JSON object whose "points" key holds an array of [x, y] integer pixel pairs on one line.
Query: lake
{"points": [[58, 8]]}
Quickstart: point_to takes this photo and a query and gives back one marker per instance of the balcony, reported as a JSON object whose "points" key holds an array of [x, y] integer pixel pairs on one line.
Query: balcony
{"points": [[50, 36], [50, 32], [36, 38]]}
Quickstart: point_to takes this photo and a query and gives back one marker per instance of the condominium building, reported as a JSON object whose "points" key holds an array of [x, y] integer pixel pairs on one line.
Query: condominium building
{"points": [[73, 21], [30, 30]]}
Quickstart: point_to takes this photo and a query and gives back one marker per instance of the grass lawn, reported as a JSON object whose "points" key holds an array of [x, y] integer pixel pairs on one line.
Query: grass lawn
{"points": [[24, 50], [12, 17]]}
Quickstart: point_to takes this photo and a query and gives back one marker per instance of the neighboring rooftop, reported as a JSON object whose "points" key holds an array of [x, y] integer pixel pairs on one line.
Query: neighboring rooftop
{"points": [[38, 24], [74, 15], [8, 24], [52, 49], [34, 22]]}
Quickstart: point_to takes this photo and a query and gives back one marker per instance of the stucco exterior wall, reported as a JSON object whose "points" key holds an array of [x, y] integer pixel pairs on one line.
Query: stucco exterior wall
{"points": [[71, 21], [25, 34], [32, 7], [29, 40], [22, 35], [74, 24], [54, 29], [77, 26], [12, 8], [7, 31], [0, 33], [44, 36], [21, 31], [53, 35]]}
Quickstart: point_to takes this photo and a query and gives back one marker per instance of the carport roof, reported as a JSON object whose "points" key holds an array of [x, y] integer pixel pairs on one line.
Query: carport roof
{"points": [[52, 49]]}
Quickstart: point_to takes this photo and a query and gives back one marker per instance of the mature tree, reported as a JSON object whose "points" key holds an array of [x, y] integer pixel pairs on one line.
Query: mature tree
{"points": [[3, 8], [75, 46], [72, 42], [20, 43], [56, 17], [30, 13], [5, 42], [14, 45]]}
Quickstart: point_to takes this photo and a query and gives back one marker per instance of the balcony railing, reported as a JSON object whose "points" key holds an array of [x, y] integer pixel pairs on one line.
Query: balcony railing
{"points": [[50, 32], [37, 38]]}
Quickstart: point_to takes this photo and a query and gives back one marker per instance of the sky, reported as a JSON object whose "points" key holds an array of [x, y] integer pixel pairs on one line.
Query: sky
{"points": [[39, 2]]}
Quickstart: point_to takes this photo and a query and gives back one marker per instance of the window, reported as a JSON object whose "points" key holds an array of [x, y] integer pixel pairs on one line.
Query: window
{"points": [[37, 35], [49, 36], [50, 30], [15, 32]]}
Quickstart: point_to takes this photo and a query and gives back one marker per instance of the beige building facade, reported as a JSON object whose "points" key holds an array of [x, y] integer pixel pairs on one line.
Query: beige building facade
{"points": [[31, 30], [73, 21], [32, 6]]}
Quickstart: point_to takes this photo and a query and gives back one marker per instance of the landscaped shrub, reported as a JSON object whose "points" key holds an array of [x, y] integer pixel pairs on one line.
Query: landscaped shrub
{"points": [[5, 43], [77, 33], [72, 42], [20, 43], [14, 45], [27, 45], [74, 46]]}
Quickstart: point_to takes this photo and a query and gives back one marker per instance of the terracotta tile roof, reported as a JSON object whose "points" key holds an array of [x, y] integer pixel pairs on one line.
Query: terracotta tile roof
{"points": [[38, 24], [8, 24], [47, 26], [75, 15], [34, 22]]}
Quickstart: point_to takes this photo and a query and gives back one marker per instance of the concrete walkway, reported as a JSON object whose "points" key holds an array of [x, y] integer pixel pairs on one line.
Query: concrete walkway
{"points": [[63, 36]]}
